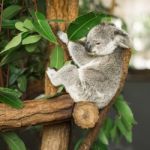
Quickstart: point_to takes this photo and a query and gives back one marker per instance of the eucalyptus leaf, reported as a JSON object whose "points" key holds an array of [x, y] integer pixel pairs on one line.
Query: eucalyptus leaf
{"points": [[28, 25], [31, 39], [123, 109], [113, 132], [81, 26], [8, 24], [10, 97], [11, 11], [108, 125], [57, 57], [78, 144], [31, 47], [20, 26], [103, 138], [43, 28], [13, 141], [15, 41], [126, 133], [11, 56], [22, 83]]}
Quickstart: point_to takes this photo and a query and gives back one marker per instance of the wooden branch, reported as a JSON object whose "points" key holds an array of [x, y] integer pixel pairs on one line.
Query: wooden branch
{"points": [[36, 112], [93, 133], [85, 114]]}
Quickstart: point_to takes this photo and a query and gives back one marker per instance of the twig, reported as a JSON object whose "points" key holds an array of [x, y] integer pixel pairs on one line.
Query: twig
{"points": [[35, 5]]}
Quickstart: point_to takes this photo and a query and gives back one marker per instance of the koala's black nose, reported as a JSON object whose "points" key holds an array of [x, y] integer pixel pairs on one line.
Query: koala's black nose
{"points": [[88, 47]]}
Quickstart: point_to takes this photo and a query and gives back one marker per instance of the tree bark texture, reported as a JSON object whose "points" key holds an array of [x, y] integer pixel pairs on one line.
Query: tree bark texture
{"points": [[57, 137], [36, 112]]}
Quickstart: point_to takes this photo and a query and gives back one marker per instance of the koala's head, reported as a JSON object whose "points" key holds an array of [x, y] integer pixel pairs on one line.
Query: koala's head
{"points": [[104, 39]]}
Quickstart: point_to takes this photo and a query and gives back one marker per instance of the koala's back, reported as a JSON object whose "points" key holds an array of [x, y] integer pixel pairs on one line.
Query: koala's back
{"points": [[101, 80]]}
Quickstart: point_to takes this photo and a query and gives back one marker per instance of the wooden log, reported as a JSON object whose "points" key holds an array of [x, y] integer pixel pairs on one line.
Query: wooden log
{"points": [[93, 133], [85, 114], [36, 112]]}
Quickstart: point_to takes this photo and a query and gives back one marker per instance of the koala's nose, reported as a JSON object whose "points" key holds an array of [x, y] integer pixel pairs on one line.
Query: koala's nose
{"points": [[88, 47]]}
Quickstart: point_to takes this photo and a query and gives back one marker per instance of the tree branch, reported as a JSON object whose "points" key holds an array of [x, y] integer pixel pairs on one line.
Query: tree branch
{"points": [[36, 112]]}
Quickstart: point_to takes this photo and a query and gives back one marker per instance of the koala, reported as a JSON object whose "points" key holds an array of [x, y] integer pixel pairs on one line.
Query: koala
{"points": [[96, 75]]}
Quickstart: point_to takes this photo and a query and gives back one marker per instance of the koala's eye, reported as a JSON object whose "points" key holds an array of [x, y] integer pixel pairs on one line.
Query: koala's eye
{"points": [[98, 43]]}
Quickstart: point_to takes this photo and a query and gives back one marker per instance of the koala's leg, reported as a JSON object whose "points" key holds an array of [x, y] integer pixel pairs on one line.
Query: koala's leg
{"points": [[79, 54], [53, 76], [67, 75]]}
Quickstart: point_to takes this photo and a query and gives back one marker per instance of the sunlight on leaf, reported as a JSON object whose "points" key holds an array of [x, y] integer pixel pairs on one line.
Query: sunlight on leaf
{"points": [[15, 41], [81, 26], [31, 39]]}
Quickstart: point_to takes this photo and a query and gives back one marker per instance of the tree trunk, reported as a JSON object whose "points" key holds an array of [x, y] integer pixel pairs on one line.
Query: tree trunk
{"points": [[57, 137]]}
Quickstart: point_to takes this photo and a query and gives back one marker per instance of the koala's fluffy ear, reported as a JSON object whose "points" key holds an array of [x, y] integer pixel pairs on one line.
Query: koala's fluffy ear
{"points": [[122, 39]]}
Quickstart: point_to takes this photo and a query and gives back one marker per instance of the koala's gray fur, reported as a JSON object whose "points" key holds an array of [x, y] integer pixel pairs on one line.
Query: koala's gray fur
{"points": [[97, 76]]}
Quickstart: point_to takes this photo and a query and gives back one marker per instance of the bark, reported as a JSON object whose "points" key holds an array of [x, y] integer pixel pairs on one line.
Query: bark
{"points": [[36, 112], [93, 133], [66, 10]]}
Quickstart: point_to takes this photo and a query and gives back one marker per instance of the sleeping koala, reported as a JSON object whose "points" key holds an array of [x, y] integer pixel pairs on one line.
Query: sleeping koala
{"points": [[99, 60]]}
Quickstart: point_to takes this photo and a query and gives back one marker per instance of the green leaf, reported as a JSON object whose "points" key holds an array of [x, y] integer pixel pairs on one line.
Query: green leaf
{"points": [[57, 58], [31, 39], [11, 56], [113, 132], [126, 133], [103, 138], [108, 125], [99, 146], [11, 11], [15, 41], [29, 25], [10, 97], [43, 28], [22, 83], [78, 144], [81, 26], [124, 110], [8, 24], [31, 47], [20, 26], [13, 140]]}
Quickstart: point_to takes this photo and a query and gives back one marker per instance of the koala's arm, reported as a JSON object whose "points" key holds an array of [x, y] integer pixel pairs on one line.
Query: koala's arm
{"points": [[76, 50], [79, 54]]}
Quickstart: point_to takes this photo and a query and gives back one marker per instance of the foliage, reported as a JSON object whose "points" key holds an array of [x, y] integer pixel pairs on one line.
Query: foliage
{"points": [[10, 97], [13, 140]]}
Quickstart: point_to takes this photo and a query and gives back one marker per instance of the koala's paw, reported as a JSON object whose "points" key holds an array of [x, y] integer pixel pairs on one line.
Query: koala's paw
{"points": [[51, 73], [63, 37]]}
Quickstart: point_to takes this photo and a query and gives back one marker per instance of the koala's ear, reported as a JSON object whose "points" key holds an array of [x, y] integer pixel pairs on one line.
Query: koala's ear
{"points": [[122, 39]]}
